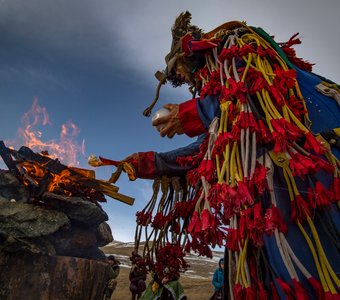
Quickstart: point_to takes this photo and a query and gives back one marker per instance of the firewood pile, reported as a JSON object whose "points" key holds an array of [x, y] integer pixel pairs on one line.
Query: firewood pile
{"points": [[49, 208]]}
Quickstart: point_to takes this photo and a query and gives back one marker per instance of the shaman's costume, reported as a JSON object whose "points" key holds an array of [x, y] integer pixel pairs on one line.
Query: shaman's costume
{"points": [[263, 177]]}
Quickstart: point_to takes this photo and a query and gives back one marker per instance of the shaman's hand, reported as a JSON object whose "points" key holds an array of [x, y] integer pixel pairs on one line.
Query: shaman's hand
{"points": [[171, 122]]}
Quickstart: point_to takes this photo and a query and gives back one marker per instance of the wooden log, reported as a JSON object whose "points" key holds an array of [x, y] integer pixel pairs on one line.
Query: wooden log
{"points": [[83, 177], [122, 198], [86, 173], [5, 153], [33, 277]]}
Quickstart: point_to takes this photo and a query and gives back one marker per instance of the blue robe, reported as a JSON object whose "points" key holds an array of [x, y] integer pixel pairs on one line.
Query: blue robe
{"points": [[324, 114]]}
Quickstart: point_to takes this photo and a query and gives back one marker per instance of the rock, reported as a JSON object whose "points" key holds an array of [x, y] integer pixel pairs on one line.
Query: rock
{"points": [[32, 245], [22, 220], [12, 188], [74, 241], [39, 277], [104, 235], [77, 209], [79, 242]]}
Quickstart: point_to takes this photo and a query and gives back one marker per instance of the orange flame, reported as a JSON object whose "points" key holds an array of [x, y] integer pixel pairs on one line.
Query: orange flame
{"points": [[61, 181], [66, 149]]}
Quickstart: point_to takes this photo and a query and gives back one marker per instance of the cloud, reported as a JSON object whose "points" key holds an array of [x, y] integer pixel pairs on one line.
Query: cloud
{"points": [[48, 28], [136, 35]]}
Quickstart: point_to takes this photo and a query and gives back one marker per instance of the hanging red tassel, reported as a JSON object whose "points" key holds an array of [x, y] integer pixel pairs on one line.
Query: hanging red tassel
{"points": [[250, 293], [217, 194], [205, 219], [291, 54], [259, 178], [257, 81], [209, 170], [228, 53], [321, 164], [243, 224], [143, 217], [242, 120], [193, 176], [276, 95], [159, 220], [298, 169], [284, 80], [330, 296], [202, 167], [262, 294], [308, 163], [253, 123], [225, 94], [243, 195], [322, 196], [195, 223], [300, 292], [313, 144], [235, 133], [336, 189], [245, 50], [317, 287], [279, 135], [275, 294], [256, 233], [296, 106], [286, 289], [238, 292], [299, 209], [233, 239], [292, 41], [265, 134], [220, 143], [273, 219]]}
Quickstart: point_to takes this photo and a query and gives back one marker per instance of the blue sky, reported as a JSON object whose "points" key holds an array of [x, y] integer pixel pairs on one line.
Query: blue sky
{"points": [[93, 63]]}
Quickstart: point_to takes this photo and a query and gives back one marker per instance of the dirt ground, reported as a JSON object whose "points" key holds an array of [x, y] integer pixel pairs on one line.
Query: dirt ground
{"points": [[196, 287]]}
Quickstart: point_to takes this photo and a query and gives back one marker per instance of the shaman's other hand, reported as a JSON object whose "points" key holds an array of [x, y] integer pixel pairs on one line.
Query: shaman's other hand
{"points": [[171, 122]]}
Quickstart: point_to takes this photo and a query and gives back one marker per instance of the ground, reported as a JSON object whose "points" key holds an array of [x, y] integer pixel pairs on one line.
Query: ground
{"points": [[196, 282]]}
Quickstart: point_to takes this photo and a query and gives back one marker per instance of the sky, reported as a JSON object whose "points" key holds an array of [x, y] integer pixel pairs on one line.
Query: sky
{"points": [[92, 64]]}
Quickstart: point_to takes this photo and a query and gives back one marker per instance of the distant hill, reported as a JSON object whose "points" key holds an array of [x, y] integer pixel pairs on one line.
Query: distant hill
{"points": [[196, 281]]}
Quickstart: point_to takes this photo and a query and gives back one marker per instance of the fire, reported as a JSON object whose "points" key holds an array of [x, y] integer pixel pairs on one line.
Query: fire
{"points": [[41, 174], [52, 166], [61, 181], [66, 148], [33, 169]]}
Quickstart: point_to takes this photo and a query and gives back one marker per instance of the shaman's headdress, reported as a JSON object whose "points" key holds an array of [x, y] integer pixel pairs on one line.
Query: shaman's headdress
{"points": [[183, 32]]}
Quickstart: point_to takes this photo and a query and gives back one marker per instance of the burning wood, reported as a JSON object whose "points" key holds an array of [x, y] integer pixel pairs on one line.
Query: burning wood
{"points": [[42, 174], [50, 217]]}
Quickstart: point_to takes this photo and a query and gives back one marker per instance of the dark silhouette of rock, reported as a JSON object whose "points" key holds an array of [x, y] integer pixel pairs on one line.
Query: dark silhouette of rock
{"points": [[10, 187], [23, 220], [42, 246], [36, 277], [78, 242], [83, 211], [103, 235]]}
